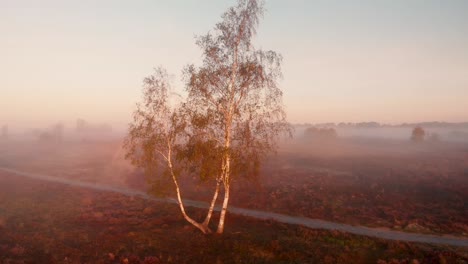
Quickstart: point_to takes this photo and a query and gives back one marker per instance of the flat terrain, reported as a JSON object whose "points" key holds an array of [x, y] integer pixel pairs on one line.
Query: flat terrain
{"points": [[396, 185], [258, 214], [43, 222], [376, 183]]}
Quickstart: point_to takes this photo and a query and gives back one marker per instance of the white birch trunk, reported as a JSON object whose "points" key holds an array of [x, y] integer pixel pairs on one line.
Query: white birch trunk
{"points": [[222, 217], [226, 180], [202, 227], [213, 202]]}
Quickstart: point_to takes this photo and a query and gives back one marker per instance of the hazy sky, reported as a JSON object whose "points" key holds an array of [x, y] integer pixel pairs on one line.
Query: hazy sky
{"points": [[373, 60]]}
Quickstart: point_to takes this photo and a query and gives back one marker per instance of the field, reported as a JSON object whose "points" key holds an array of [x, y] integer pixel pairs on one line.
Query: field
{"points": [[51, 223], [410, 188], [390, 184]]}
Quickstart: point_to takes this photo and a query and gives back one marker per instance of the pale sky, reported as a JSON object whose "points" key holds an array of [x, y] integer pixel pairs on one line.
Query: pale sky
{"points": [[370, 60]]}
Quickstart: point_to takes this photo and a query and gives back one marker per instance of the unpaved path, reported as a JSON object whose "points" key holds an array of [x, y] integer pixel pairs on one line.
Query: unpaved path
{"points": [[303, 221]]}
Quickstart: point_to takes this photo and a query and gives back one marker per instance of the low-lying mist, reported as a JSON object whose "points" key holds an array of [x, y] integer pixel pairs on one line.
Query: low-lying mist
{"points": [[361, 176]]}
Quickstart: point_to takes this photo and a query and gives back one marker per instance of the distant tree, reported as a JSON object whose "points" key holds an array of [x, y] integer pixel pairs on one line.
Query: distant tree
{"points": [[418, 134], [230, 119]]}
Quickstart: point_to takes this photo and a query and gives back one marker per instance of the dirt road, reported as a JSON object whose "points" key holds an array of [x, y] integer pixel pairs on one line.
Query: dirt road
{"points": [[287, 219]]}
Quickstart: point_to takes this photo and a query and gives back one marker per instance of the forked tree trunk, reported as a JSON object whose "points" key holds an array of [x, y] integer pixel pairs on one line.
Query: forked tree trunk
{"points": [[226, 181], [204, 228], [201, 226]]}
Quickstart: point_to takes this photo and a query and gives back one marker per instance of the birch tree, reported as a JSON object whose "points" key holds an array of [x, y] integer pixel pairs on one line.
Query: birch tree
{"points": [[229, 120], [236, 91]]}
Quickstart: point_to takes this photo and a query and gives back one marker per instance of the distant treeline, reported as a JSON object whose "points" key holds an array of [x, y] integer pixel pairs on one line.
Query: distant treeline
{"points": [[434, 124]]}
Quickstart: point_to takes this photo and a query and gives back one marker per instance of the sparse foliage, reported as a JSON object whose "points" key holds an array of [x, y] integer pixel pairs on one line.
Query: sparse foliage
{"points": [[231, 117]]}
